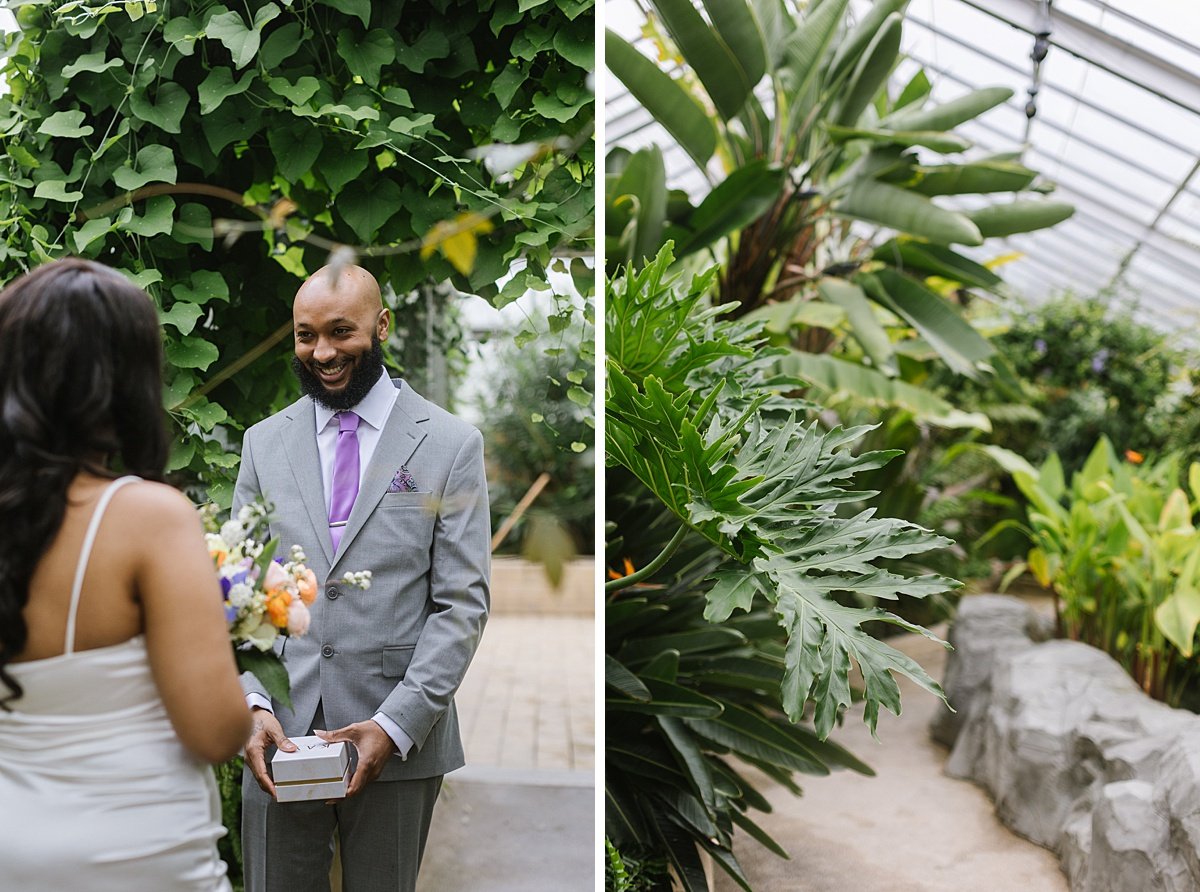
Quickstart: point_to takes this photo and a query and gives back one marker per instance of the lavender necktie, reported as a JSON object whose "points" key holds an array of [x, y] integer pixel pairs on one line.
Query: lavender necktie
{"points": [[345, 476]]}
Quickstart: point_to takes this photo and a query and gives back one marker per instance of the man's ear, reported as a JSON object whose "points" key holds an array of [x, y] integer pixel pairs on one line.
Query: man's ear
{"points": [[383, 323]]}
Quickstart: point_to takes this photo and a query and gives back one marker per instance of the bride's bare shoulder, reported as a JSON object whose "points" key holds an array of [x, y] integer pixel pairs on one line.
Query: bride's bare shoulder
{"points": [[150, 505]]}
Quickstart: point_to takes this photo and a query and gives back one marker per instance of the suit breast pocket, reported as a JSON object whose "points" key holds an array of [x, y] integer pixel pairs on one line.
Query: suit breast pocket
{"points": [[407, 500]]}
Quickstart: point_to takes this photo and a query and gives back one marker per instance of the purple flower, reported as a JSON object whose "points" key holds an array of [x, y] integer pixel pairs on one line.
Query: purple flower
{"points": [[230, 613], [1100, 360], [1039, 347]]}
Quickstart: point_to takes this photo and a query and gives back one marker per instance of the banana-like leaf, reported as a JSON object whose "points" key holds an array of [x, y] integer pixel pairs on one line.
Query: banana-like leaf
{"points": [[915, 90], [979, 177], [723, 75], [937, 260], [891, 206], [669, 103], [644, 182], [751, 735], [776, 25], [851, 48], [808, 44], [736, 202], [946, 143], [737, 26], [670, 699], [864, 324], [840, 377], [617, 676], [955, 339], [950, 114], [781, 317], [872, 71], [1020, 216]]}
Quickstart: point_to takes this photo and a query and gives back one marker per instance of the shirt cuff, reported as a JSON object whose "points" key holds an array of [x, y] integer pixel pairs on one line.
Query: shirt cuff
{"points": [[403, 742], [258, 700]]}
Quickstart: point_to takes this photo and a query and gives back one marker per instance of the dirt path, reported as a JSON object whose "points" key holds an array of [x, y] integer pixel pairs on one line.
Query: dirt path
{"points": [[908, 829]]}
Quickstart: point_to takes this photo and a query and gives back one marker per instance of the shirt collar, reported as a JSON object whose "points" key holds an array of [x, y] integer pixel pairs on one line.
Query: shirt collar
{"points": [[373, 408]]}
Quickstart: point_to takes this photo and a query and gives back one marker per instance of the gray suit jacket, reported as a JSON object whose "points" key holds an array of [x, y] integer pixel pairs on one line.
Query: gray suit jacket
{"points": [[402, 646]]}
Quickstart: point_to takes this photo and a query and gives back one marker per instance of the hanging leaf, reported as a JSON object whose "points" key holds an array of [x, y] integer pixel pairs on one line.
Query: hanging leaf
{"points": [[457, 239]]}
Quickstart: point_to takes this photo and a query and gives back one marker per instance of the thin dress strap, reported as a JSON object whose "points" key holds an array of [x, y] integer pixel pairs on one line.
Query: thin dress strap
{"points": [[86, 553]]}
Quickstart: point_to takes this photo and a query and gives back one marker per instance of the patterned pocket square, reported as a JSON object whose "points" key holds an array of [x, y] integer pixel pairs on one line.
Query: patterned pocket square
{"points": [[402, 481]]}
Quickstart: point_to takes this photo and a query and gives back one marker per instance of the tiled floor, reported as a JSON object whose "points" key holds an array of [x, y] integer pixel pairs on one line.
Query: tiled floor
{"points": [[528, 701]]}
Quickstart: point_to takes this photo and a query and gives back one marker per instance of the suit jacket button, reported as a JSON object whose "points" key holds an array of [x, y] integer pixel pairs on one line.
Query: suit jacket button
{"points": [[333, 593], [327, 650]]}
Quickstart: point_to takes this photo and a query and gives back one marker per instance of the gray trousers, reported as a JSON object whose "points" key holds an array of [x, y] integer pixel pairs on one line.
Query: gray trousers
{"points": [[288, 847]]}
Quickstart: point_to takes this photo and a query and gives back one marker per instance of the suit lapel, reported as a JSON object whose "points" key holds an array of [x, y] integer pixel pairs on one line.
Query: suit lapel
{"points": [[300, 444], [398, 440]]}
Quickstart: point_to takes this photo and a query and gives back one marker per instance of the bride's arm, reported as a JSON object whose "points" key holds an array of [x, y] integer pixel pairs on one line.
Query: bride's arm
{"points": [[186, 635]]}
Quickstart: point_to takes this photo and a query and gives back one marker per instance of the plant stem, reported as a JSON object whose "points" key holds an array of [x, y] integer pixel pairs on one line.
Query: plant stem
{"points": [[615, 585]]}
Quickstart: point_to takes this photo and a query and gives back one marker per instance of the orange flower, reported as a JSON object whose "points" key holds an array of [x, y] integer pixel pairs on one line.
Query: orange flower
{"points": [[277, 608], [1136, 457], [613, 574], [307, 584]]}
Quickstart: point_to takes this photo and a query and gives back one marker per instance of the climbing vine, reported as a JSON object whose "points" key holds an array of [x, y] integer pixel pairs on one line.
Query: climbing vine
{"points": [[219, 154]]}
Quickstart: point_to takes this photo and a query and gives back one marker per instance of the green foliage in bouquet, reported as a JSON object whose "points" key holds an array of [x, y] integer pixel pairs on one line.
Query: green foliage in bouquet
{"points": [[1120, 549]]}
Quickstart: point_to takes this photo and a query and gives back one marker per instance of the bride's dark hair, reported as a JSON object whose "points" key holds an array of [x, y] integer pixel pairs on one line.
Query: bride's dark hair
{"points": [[80, 390]]}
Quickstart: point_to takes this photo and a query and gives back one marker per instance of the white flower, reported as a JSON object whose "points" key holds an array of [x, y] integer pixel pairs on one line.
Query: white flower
{"points": [[232, 532], [241, 595]]}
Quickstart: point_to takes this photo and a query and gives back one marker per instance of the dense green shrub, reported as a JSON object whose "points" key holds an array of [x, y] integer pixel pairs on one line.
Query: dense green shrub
{"points": [[1092, 370], [218, 155], [537, 417]]}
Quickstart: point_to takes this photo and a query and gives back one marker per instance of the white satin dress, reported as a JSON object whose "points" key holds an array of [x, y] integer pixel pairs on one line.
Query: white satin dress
{"points": [[96, 791]]}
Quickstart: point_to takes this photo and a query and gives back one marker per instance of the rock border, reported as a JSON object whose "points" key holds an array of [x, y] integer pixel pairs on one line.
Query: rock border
{"points": [[1075, 756]]}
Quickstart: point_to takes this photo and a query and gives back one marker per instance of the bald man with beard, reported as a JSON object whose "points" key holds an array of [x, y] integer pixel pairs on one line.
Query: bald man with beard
{"points": [[365, 474]]}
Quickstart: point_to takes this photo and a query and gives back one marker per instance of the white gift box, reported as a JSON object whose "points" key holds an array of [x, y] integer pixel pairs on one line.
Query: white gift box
{"points": [[317, 769]]}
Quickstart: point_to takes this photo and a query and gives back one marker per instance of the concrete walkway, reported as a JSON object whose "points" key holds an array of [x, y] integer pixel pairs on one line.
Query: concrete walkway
{"points": [[521, 816], [908, 829]]}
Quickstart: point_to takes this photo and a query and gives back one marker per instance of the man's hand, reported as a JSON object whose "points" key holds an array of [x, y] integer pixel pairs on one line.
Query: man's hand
{"points": [[267, 730], [374, 749]]}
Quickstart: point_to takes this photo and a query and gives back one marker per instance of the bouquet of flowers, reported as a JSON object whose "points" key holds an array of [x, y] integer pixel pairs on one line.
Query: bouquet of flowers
{"points": [[265, 597]]}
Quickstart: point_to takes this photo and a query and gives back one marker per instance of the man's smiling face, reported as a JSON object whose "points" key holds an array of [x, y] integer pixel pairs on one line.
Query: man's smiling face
{"points": [[338, 324]]}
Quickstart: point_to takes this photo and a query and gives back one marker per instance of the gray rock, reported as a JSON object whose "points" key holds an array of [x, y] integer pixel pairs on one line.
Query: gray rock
{"points": [[1075, 756]]}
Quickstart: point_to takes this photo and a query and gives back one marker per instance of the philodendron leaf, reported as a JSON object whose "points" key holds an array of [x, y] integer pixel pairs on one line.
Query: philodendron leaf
{"points": [[823, 636]]}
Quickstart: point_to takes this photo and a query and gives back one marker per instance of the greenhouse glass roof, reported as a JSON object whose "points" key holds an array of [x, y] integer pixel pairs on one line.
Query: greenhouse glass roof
{"points": [[1116, 128]]}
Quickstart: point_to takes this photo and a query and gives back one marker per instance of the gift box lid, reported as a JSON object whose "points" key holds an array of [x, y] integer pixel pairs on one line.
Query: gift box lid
{"points": [[314, 760]]}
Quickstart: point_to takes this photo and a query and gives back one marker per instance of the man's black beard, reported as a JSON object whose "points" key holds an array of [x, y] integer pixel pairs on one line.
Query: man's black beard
{"points": [[363, 376]]}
